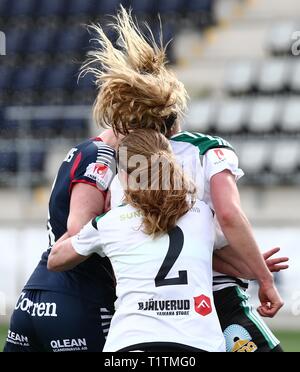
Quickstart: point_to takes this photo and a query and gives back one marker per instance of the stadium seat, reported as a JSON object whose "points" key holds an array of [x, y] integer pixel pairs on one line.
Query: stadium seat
{"points": [[142, 6], [294, 83], [41, 40], [71, 40], [8, 161], [45, 128], [231, 117], [201, 116], [60, 76], [264, 116], [6, 73], [22, 8], [15, 41], [285, 157], [27, 78], [51, 8], [170, 6], [199, 6], [80, 7], [4, 7], [240, 78], [291, 116], [279, 41], [85, 82], [37, 161], [74, 128], [254, 156], [106, 7], [273, 76], [9, 128]]}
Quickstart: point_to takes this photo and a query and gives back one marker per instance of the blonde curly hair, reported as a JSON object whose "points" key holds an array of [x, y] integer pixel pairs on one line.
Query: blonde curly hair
{"points": [[136, 89]]}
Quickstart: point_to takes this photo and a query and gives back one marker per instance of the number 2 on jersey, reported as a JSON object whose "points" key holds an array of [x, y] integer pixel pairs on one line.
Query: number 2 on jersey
{"points": [[175, 248]]}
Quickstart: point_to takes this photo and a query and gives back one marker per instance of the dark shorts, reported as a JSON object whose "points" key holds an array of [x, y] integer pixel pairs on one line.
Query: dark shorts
{"points": [[45, 321], [243, 328]]}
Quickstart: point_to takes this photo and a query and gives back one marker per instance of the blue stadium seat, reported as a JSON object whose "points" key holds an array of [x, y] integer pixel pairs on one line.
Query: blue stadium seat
{"points": [[108, 7], [59, 76], [8, 161], [51, 8], [37, 161], [15, 41], [85, 82], [70, 40], [4, 7], [45, 127], [6, 73], [199, 6], [170, 6], [142, 6], [19, 8], [9, 128], [81, 7], [73, 127], [27, 78], [41, 40]]}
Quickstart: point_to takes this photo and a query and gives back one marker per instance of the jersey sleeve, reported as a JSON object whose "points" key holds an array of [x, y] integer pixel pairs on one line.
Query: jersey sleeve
{"points": [[95, 165], [88, 241], [217, 160], [220, 240]]}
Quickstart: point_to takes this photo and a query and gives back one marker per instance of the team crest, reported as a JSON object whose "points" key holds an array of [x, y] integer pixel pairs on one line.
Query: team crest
{"points": [[203, 305], [238, 340]]}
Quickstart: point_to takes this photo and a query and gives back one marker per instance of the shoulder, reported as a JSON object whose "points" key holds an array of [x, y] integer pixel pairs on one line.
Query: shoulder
{"points": [[203, 142], [116, 217], [95, 147]]}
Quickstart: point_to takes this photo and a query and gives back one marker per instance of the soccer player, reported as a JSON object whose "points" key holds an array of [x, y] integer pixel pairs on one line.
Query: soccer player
{"points": [[70, 311], [160, 243], [136, 90]]}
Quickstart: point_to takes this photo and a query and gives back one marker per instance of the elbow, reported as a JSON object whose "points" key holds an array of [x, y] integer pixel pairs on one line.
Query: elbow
{"points": [[230, 217], [52, 265]]}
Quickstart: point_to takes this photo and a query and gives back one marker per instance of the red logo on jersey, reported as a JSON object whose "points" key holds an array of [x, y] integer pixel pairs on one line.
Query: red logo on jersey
{"points": [[99, 168], [203, 305], [220, 154]]}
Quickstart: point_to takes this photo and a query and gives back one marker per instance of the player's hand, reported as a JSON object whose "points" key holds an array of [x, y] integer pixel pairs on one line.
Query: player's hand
{"points": [[275, 264], [270, 300]]}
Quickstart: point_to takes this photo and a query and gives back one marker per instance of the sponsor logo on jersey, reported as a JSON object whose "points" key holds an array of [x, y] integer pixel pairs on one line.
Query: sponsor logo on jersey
{"points": [[220, 154], [74, 344], [238, 340], [166, 307], [39, 309], [100, 173], [203, 305], [17, 339]]}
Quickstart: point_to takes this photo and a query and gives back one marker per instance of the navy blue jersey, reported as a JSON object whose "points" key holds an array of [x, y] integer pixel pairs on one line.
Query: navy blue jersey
{"points": [[91, 162]]}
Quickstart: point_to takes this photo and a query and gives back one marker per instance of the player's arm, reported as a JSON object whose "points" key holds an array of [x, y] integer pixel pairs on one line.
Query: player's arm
{"points": [[63, 256], [87, 202], [67, 254], [227, 262], [238, 232]]}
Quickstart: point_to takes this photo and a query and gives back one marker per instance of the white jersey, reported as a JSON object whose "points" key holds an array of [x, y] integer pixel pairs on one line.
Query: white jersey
{"points": [[164, 285], [201, 157]]}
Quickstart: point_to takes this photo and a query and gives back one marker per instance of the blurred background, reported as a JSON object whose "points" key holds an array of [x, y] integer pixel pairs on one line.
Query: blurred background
{"points": [[239, 60]]}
